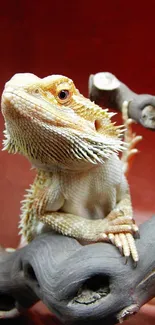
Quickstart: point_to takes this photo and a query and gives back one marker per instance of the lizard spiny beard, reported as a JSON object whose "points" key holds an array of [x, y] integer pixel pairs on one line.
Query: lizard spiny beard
{"points": [[49, 147]]}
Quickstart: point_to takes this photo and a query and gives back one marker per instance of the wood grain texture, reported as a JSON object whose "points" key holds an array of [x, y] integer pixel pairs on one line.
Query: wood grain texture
{"points": [[58, 271], [141, 107]]}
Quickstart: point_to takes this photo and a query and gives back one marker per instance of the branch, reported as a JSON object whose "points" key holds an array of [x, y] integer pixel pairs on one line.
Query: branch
{"points": [[80, 284], [107, 90]]}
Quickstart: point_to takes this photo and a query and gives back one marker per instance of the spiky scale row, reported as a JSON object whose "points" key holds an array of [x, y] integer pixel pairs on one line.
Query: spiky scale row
{"points": [[130, 138]]}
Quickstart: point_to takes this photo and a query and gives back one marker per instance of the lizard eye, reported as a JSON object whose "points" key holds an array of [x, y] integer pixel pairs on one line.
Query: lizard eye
{"points": [[63, 95]]}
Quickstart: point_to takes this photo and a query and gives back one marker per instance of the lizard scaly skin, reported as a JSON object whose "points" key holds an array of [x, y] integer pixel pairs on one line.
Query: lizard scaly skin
{"points": [[80, 189]]}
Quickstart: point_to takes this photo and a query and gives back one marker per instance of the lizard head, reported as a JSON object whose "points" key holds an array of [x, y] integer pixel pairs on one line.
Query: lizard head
{"points": [[54, 126]]}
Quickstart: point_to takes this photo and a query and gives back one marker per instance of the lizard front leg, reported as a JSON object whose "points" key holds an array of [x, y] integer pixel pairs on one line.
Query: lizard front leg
{"points": [[119, 233], [46, 206], [117, 227], [66, 223]]}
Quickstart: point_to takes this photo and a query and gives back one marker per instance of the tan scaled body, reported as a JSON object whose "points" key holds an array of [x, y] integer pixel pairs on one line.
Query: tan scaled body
{"points": [[80, 189]]}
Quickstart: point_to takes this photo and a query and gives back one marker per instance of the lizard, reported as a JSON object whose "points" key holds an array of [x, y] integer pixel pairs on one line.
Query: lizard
{"points": [[80, 189]]}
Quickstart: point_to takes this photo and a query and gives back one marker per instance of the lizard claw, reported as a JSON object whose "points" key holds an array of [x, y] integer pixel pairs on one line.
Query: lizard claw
{"points": [[121, 231], [126, 259], [126, 245], [136, 231]]}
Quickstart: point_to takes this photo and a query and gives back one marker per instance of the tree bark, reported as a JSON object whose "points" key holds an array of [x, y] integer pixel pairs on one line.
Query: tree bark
{"points": [[80, 284], [107, 90]]}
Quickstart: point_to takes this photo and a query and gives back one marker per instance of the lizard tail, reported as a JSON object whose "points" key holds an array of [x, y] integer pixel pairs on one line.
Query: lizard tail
{"points": [[130, 138]]}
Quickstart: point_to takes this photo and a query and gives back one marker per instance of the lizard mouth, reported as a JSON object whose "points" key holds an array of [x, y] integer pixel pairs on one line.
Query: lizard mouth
{"points": [[97, 125]]}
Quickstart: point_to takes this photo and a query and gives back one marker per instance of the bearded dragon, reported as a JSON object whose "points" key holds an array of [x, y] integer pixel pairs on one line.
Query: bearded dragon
{"points": [[80, 189]]}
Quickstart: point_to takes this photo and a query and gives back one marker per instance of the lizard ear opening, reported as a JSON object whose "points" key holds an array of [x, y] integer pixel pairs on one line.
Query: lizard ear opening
{"points": [[97, 125]]}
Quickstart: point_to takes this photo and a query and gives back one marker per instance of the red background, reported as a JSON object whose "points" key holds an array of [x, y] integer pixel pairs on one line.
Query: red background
{"points": [[77, 38]]}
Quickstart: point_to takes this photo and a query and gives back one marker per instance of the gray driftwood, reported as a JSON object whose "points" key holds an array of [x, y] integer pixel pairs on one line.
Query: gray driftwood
{"points": [[80, 284], [107, 90]]}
